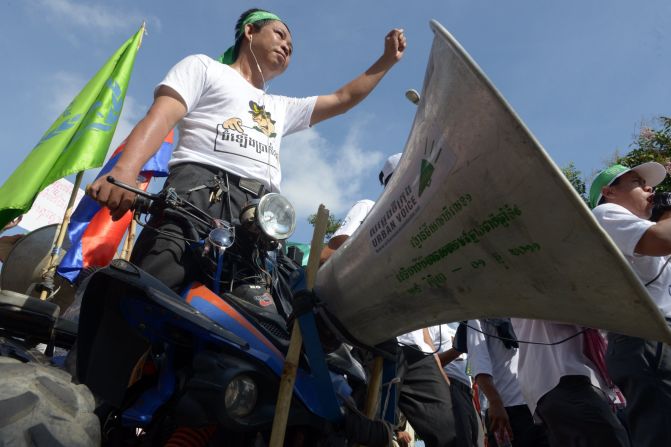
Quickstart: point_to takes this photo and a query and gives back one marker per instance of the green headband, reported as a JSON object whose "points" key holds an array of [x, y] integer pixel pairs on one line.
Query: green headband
{"points": [[257, 16]]}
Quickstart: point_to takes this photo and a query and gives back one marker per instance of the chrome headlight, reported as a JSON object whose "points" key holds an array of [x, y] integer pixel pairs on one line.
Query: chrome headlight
{"points": [[240, 396], [276, 216]]}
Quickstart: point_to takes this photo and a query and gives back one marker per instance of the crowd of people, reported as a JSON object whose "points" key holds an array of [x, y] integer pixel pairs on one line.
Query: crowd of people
{"points": [[543, 383], [555, 391]]}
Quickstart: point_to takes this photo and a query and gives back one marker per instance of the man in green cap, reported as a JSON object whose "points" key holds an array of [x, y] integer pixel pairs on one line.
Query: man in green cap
{"points": [[230, 131], [622, 199]]}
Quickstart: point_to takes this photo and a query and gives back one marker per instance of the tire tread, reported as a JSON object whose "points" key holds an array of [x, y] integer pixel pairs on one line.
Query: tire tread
{"points": [[41, 407]]}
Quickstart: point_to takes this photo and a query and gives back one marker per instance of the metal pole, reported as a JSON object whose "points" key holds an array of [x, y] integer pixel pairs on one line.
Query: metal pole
{"points": [[291, 361], [48, 273]]}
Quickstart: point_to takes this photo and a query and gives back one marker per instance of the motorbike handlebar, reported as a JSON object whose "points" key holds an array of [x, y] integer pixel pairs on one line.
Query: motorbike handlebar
{"points": [[126, 186], [143, 199]]}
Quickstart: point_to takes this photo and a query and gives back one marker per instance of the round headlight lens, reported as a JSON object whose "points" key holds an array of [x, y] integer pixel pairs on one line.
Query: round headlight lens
{"points": [[241, 396], [276, 216]]}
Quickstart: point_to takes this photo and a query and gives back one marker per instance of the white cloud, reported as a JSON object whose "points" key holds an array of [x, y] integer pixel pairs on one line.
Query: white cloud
{"points": [[315, 172], [96, 16], [63, 87]]}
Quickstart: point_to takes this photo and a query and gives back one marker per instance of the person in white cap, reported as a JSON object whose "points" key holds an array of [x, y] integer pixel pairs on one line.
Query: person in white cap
{"points": [[425, 397], [358, 212], [621, 199]]}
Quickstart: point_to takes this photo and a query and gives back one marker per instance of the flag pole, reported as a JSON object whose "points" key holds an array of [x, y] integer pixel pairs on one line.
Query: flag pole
{"points": [[291, 361], [144, 33], [124, 250], [130, 240], [130, 236], [48, 272]]}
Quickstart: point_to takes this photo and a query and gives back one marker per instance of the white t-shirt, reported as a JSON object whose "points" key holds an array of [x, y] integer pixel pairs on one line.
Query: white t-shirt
{"points": [[230, 123], [354, 218], [626, 229], [540, 366], [415, 337], [488, 355], [442, 337]]}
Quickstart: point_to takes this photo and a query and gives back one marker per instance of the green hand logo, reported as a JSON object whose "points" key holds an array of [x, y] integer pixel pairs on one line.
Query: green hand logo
{"points": [[425, 173], [427, 167]]}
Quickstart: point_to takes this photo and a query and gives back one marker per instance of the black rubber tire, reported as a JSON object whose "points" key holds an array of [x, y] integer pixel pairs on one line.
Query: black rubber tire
{"points": [[40, 406]]}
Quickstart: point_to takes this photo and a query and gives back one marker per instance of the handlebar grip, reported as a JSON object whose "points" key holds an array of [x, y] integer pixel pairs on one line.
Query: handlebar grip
{"points": [[141, 204], [126, 186], [130, 188]]}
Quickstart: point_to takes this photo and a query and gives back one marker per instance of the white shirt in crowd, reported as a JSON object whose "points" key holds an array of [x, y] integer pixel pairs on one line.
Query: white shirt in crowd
{"points": [[354, 218], [488, 355], [626, 229], [541, 366], [442, 337], [415, 338], [231, 124]]}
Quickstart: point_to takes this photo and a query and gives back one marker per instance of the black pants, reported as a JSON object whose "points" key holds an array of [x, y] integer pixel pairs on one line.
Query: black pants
{"points": [[642, 370], [525, 432], [576, 414], [465, 416], [425, 398], [169, 258]]}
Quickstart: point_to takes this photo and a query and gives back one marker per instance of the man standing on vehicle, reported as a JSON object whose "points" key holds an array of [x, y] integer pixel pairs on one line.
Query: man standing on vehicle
{"points": [[230, 133], [622, 202]]}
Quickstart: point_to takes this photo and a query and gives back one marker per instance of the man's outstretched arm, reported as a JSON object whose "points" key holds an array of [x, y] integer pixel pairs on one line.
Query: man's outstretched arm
{"points": [[355, 91]]}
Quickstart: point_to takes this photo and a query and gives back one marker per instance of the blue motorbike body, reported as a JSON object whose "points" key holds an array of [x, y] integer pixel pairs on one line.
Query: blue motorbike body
{"points": [[131, 320]]}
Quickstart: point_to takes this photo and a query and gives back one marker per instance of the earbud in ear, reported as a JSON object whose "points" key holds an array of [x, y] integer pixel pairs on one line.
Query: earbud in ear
{"points": [[251, 37]]}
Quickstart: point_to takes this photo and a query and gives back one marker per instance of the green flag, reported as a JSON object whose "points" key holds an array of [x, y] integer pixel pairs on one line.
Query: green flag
{"points": [[78, 139]]}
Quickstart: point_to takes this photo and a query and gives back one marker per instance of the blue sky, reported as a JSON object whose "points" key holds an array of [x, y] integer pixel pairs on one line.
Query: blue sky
{"points": [[582, 75]]}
